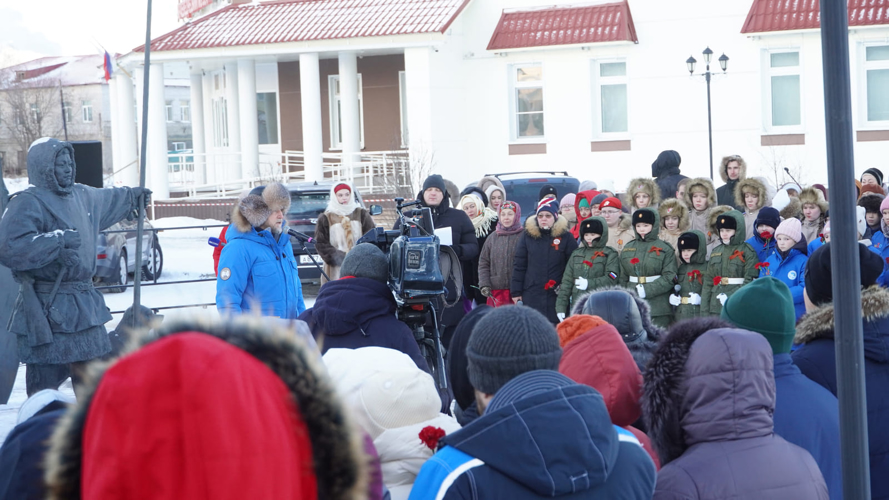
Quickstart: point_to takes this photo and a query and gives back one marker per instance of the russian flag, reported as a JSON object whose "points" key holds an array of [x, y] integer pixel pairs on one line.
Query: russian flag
{"points": [[107, 65]]}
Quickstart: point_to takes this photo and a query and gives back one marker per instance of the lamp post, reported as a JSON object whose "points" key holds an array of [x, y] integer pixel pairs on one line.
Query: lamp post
{"points": [[723, 63]]}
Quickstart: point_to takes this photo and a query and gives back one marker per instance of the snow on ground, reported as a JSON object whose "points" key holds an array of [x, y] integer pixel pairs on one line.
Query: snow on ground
{"points": [[187, 256]]}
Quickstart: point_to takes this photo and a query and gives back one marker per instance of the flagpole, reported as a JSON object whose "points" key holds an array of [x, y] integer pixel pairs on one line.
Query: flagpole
{"points": [[62, 102], [140, 223]]}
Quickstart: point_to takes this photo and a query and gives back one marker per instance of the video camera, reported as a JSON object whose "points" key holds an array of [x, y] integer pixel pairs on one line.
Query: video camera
{"points": [[415, 277]]}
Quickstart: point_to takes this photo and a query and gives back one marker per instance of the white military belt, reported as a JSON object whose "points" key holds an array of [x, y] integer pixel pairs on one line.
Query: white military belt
{"points": [[643, 279]]}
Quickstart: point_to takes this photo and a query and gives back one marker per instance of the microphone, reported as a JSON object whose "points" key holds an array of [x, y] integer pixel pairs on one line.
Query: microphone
{"points": [[301, 236], [215, 242], [791, 176]]}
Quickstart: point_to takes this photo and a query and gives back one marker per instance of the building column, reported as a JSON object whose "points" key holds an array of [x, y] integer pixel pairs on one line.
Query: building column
{"points": [[310, 98], [125, 144], [157, 163], [418, 73], [351, 129], [233, 109], [198, 146], [212, 164], [249, 126]]}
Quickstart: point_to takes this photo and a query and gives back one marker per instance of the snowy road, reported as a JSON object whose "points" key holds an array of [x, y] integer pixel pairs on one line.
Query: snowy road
{"points": [[187, 256]]}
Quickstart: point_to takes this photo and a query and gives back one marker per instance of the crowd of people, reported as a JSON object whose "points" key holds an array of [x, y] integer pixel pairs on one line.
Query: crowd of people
{"points": [[676, 343]]}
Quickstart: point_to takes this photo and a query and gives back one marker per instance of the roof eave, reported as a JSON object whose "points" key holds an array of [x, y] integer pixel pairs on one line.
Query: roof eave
{"points": [[582, 46]]}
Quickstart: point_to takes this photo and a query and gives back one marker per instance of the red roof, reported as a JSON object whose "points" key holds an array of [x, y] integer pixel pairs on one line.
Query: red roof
{"points": [[610, 22], [307, 20], [786, 15]]}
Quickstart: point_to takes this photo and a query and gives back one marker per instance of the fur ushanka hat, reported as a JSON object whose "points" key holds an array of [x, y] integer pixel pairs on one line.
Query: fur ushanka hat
{"points": [[257, 206]]}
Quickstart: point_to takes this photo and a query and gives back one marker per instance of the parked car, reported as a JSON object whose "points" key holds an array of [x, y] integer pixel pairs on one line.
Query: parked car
{"points": [[524, 187], [308, 200], [116, 255]]}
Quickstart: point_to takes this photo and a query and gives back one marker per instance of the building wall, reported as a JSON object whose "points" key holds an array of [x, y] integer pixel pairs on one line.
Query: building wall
{"points": [[381, 112], [469, 98]]}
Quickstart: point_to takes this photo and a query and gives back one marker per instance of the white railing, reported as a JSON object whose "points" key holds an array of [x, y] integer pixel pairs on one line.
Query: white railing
{"points": [[218, 175]]}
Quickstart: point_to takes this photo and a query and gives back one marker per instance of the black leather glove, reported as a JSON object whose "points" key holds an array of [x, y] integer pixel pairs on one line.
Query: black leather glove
{"points": [[71, 239]]}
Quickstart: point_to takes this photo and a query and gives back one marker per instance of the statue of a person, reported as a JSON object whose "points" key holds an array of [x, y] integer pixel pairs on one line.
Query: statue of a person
{"points": [[48, 239]]}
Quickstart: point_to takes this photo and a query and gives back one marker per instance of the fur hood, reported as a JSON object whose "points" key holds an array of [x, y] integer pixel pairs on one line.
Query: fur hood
{"points": [[642, 185], [819, 323], [676, 208], [700, 184], [753, 185], [488, 183], [337, 450], [255, 208], [560, 228], [641, 351], [690, 398], [815, 197], [871, 202], [453, 193], [723, 168], [714, 214], [793, 209], [41, 165]]}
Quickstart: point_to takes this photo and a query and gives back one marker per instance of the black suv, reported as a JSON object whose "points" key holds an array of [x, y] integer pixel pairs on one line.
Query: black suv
{"points": [[308, 200], [524, 187]]}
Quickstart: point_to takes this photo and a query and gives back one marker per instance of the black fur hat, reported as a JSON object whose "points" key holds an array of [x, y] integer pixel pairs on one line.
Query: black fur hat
{"points": [[644, 216], [726, 222], [871, 202], [590, 225]]}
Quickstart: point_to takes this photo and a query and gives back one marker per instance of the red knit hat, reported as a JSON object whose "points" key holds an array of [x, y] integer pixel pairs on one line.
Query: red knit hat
{"points": [[192, 416], [610, 202], [340, 186]]}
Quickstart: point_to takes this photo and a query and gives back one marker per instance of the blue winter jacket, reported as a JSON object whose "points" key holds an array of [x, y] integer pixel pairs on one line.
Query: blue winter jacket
{"points": [[815, 245], [360, 312], [880, 246], [258, 272], [791, 270], [807, 415], [542, 436], [763, 248], [817, 361]]}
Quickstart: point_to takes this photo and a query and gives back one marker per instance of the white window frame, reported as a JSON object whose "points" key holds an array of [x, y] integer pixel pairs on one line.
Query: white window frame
{"points": [[184, 111], [66, 110], [178, 146], [87, 111], [35, 112], [402, 107], [333, 102], [864, 65], [514, 85], [768, 72], [220, 122], [168, 111], [597, 82]]}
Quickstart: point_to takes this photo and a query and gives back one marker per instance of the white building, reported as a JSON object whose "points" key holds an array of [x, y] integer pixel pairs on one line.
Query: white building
{"points": [[476, 86]]}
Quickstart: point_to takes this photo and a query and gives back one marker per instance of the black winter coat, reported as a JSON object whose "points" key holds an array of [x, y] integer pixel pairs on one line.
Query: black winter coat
{"points": [[665, 170], [541, 256], [725, 195], [21, 457], [359, 312]]}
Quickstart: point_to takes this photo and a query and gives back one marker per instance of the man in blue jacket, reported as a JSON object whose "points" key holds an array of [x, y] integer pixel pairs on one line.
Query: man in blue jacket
{"points": [[527, 443], [257, 270], [806, 414]]}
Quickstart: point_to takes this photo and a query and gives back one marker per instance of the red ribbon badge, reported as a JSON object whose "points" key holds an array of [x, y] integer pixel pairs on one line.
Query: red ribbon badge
{"points": [[656, 250], [696, 275], [430, 436], [739, 254], [598, 254], [555, 244]]}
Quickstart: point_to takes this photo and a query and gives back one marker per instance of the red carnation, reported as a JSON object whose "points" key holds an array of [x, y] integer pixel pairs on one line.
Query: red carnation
{"points": [[549, 285], [634, 261], [717, 280], [765, 235], [430, 436]]}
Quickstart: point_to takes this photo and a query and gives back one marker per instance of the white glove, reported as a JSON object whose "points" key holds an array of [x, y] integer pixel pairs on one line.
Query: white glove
{"points": [[640, 290], [694, 299], [561, 316], [722, 298], [675, 300], [581, 283]]}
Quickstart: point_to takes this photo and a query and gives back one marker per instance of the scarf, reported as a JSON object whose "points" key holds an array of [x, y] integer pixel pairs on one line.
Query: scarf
{"points": [[335, 207], [516, 226]]}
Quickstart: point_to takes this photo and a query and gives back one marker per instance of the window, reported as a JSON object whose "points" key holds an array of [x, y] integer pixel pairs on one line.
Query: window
{"points": [[220, 122], [184, 111], [402, 100], [876, 68], [66, 110], [785, 98], [336, 112], [526, 101], [17, 119], [267, 117], [178, 146], [35, 113], [169, 111], [610, 97], [87, 109]]}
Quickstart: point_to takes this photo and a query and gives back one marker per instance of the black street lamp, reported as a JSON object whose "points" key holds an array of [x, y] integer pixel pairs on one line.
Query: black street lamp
{"points": [[723, 63]]}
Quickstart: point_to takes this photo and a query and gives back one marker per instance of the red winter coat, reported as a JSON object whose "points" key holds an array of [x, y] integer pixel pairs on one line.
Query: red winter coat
{"points": [[599, 358], [583, 195]]}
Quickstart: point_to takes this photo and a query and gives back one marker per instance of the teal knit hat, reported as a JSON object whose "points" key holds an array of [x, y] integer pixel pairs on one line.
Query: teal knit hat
{"points": [[764, 306]]}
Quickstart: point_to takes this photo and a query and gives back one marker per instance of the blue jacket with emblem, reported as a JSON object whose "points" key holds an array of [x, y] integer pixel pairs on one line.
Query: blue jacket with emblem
{"points": [[764, 248], [257, 273], [880, 246], [791, 269], [526, 445]]}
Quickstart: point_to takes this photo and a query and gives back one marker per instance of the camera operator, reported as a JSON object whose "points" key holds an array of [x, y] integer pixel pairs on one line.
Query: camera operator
{"points": [[257, 270], [463, 240], [358, 310]]}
